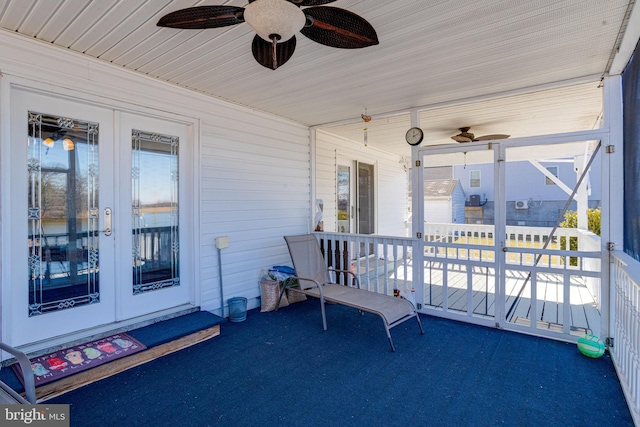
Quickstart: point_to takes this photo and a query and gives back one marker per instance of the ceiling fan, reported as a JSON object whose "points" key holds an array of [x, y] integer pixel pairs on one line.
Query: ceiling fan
{"points": [[277, 21], [466, 136]]}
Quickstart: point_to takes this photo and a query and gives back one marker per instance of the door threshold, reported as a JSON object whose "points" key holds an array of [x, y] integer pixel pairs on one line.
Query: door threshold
{"points": [[60, 342]]}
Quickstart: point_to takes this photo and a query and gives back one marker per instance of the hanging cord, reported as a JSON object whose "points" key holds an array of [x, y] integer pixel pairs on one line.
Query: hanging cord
{"points": [[366, 119], [555, 227]]}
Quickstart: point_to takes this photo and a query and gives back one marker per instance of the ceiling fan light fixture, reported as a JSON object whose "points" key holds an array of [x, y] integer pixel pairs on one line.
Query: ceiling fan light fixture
{"points": [[277, 19], [68, 145]]}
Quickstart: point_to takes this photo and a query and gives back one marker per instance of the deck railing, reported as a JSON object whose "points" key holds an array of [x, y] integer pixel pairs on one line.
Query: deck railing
{"points": [[569, 249], [381, 263], [625, 351]]}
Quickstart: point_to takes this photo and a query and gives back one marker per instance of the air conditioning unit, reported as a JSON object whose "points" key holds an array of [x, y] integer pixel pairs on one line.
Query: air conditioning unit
{"points": [[522, 204]]}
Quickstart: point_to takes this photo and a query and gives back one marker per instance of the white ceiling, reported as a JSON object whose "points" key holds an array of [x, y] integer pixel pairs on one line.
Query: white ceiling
{"points": [[499, 66], [566, 109]]}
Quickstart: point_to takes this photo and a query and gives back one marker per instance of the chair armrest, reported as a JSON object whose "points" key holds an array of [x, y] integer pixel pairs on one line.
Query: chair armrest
{"points": [[27, 372], [298, 278], [351, 273], [306, 279]]}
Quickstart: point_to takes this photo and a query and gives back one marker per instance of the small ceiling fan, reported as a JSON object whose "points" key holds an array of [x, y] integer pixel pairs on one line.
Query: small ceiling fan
{"points": [[466, 136], [277, 21]]}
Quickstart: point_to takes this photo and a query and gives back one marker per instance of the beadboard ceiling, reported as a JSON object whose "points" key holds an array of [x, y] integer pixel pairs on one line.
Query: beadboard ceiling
{"points": [[500, 66]]}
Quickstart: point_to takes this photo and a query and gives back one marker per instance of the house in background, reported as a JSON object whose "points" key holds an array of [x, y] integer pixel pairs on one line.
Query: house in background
{"points": [[444, 201], [536, 190]]}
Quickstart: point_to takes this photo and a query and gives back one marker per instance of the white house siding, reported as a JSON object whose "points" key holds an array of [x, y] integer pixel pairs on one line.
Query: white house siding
{"points": [[437, 210], [457, 205], [255, 189], [525, 182], [391, 197], [252, 170]]}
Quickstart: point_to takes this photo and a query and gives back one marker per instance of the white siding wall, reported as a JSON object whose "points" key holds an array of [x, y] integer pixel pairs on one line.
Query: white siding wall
{"points": [[524, 181], [457, 205], [252, 179], [437, 211], [255, 189], [391, 182]]}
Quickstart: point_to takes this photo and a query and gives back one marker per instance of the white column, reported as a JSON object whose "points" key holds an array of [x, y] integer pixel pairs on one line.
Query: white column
{"points": [[612, 197], [417, 215]]}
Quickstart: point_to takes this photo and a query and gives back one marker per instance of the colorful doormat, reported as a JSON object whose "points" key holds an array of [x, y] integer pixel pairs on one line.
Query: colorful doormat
{"points": [[72, 360]]}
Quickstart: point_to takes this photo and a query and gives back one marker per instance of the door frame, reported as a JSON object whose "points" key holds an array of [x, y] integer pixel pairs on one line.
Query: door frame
{"points": [[191, 217], [131, 306], [452, 153], [351, 164], [354, 208], [499, 148]]}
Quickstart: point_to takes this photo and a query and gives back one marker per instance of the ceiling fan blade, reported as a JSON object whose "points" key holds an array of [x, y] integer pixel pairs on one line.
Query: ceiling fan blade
{"points": [[459, 138], [306, 2], [335, 27], [311, 2], [491, 137], [200, 17], [264, 53]]}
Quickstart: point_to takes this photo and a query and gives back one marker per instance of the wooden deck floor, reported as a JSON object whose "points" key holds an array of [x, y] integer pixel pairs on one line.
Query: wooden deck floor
{"points": [[584, 315], [583, 312]]}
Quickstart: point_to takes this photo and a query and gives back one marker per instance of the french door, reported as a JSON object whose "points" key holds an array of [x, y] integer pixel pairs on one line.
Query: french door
{"points": [[95, 224]]}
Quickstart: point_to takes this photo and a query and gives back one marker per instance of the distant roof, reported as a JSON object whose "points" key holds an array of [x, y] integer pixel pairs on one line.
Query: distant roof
{"points": [[438, 172], [440, 187]]}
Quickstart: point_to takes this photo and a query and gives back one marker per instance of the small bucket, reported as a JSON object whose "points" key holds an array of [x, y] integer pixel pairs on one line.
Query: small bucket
{"points": [[237, 309]]}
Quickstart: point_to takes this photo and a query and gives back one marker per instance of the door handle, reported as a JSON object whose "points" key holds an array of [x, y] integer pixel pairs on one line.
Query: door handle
{"points": [[107, 222]]}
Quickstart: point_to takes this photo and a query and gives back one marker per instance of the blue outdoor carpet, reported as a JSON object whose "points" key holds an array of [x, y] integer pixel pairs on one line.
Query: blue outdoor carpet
{"points": [[281, 369]]}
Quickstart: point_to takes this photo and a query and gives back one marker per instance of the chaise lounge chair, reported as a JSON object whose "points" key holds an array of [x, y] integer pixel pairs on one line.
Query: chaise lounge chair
{"points": [[314, 280]]}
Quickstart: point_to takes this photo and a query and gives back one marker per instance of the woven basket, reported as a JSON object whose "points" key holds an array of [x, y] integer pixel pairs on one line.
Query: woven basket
{"points": [[269, 293], [294, 296]]}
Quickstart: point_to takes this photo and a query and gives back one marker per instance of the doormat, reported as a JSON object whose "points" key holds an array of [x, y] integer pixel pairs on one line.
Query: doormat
{"points": [[72, 360]]}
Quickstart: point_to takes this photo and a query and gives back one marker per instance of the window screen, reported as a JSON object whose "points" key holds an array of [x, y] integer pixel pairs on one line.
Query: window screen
{"points": [[631, 99]]}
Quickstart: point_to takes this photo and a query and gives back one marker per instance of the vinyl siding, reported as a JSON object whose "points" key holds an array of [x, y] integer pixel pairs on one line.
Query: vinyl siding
{"points": [[437, 210], [255, 189]]}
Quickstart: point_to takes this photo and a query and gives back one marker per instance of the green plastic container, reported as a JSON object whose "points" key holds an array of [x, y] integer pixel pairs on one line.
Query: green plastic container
{"points": [[237, 309]]}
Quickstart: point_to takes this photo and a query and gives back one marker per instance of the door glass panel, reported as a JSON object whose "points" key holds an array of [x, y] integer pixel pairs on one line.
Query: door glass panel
{"points": [[366, 210], [154, 211], [62, 213], [344, 199]]}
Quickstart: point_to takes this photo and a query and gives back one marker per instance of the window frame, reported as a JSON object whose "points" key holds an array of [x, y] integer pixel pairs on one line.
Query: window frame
{"points": [[471, 179], [548, 181]]}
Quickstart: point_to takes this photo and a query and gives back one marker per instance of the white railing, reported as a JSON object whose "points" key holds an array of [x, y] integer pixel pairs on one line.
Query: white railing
{"points": [[589, 242], [625, 351], [382, 264], [569, 249]]}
